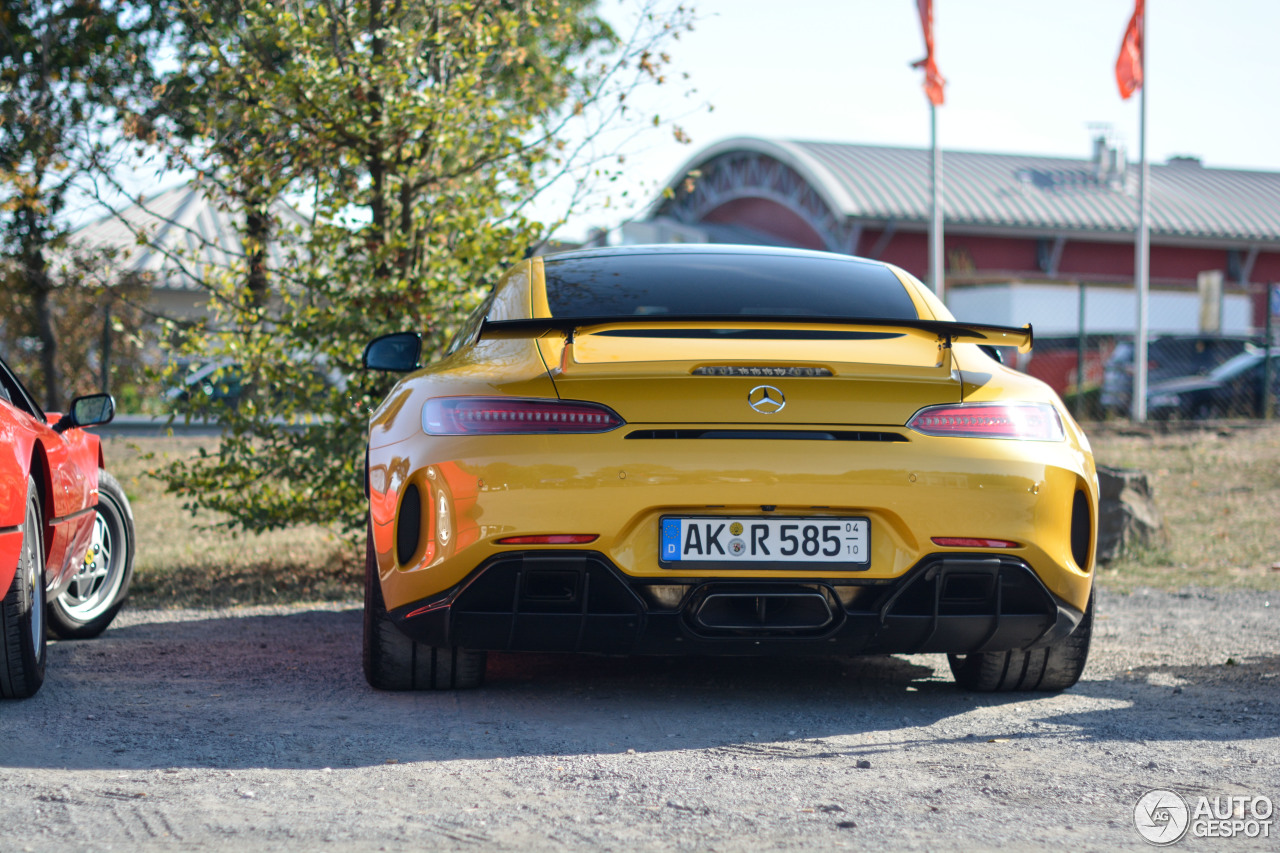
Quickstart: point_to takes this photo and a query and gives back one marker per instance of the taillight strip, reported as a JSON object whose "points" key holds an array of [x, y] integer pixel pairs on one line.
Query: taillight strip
{"points": [[1020, 421], [515, 415]]}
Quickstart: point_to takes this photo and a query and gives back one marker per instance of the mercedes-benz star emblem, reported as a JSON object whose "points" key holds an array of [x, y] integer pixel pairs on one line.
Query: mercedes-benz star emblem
{"points": [[766, 400]]}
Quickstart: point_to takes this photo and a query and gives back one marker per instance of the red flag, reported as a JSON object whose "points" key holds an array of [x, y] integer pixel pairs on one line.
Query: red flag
{"points": [[1129, 63], [933, 81]]}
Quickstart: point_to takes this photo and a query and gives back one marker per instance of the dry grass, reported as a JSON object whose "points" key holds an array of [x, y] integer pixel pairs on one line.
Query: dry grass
{"points": [[1218, 489], [183, 561]]}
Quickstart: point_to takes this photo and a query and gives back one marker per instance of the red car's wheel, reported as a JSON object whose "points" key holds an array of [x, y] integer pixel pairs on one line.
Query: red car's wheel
{"points": [[97, 592], [22, 640]]}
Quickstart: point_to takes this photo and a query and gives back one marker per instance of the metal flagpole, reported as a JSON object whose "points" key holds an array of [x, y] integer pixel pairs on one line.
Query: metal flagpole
{"points": [[935, 222], [1142, 247], [933, 89]]}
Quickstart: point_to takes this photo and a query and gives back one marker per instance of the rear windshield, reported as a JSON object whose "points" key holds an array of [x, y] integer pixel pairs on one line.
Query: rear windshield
{"points": [[756, 285]]}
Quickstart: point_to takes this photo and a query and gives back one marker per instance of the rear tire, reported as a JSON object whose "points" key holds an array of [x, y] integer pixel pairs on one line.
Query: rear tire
{"points": [[101, 584], [393, 661], [22, 639], [1051, 668]]}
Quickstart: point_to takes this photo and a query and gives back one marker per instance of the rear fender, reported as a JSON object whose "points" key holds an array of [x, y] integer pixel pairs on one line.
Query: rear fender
{"points": [[15, 505], [67, 475]]}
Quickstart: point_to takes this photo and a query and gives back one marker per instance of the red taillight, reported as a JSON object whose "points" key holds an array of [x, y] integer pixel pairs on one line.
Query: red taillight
{"points": [[505, 415], [552, 539], [1025, 421], [965, 542]]}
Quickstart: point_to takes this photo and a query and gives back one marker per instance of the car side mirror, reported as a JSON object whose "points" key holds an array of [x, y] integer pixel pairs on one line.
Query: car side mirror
{"points": [[398, 352], [89, 410], [994, 352]]}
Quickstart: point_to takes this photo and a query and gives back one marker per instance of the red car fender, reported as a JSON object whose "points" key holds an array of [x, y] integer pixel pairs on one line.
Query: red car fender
{"points": [[15, 456], [10, 548], [71, 494], [65, 467]]}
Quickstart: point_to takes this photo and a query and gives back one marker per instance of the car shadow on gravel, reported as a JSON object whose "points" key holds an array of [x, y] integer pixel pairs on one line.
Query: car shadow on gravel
{"points": [[287, 691], [1231, 701]]}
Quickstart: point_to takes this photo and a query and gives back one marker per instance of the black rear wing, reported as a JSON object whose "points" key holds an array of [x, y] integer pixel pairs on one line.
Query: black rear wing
{"points": [[948, 331]]}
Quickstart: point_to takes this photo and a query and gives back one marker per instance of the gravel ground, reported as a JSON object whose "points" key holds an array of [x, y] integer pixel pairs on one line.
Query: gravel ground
{"points": [[254, 729]]}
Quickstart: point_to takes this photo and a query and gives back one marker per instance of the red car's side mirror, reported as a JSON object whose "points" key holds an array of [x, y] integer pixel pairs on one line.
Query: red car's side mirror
{"points": [[89, 410]]}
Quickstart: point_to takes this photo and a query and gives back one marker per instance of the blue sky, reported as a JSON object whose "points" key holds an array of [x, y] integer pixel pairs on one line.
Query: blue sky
{"points": [[1024, 76]]}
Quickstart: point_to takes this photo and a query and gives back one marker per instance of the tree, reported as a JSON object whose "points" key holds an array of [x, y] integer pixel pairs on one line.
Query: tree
{"points": [[96, 318], [69, 71], [416, 132]]}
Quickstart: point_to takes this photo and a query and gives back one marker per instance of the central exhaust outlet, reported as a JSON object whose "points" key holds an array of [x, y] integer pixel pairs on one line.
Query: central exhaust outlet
{"points": [[774, 611]]}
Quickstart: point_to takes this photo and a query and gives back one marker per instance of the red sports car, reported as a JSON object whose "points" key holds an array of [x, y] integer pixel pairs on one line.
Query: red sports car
{"points": [[66, 531]]}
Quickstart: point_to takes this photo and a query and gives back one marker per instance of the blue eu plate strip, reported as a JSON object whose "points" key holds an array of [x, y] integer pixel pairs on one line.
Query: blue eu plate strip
{"points": [[671, 539]]}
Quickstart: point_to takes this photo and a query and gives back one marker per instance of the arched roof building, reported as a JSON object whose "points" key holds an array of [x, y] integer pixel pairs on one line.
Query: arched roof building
{"points": [[174, 238], [1017, 225]]}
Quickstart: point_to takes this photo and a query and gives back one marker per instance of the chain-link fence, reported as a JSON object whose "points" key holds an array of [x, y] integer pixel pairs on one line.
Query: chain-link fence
{"points": [[1212, 352]]}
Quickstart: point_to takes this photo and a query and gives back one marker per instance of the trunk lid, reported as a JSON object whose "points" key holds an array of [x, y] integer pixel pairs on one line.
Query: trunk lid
{"points": [[674, 376]]}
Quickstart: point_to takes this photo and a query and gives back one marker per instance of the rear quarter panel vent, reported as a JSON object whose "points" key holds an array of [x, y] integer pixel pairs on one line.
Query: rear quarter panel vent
{"points": [[1081, 530], [408, 525]]}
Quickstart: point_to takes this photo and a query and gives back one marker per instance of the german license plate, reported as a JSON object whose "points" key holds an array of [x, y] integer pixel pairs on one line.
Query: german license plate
{"points": [[832, 542]]}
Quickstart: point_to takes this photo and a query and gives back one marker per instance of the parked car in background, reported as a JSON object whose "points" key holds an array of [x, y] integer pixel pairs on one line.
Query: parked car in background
{"points": [[1232, 388], [1055, 361], [221, 382], [1168, 357], [66, 531], [723, 450]]}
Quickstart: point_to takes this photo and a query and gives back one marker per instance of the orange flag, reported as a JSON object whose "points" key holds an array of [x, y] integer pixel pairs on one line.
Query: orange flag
{"points": [[933, 81], [1129, 63]]}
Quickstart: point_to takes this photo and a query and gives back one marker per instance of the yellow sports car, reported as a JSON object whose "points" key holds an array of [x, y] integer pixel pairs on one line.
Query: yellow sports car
{"points": [[724, 450]]}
